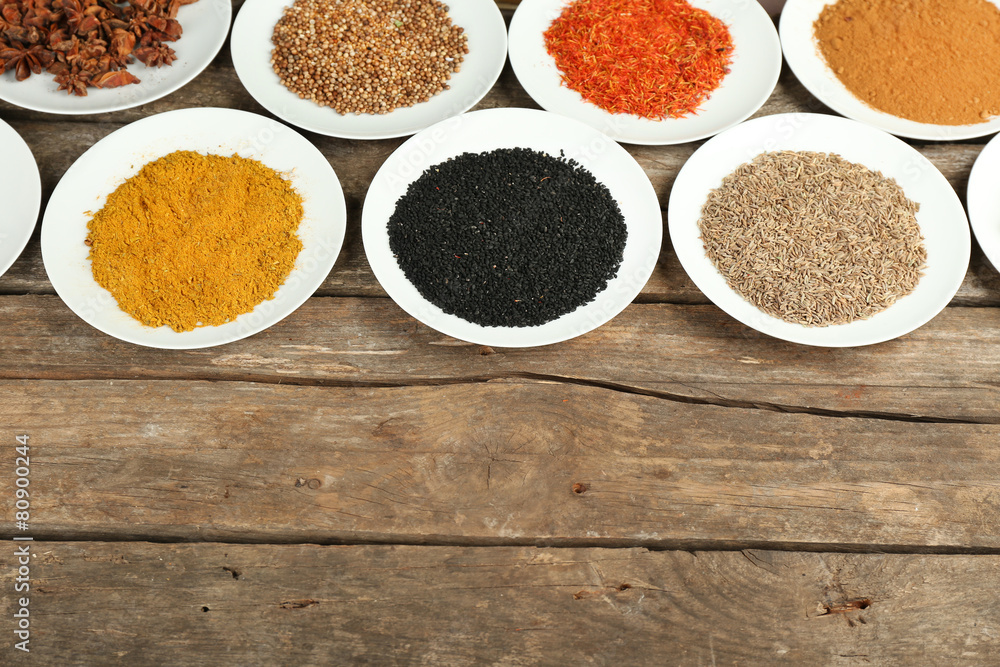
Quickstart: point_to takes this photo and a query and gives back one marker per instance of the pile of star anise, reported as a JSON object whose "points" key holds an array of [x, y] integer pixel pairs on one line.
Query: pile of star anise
{"points": [[86, 42]]}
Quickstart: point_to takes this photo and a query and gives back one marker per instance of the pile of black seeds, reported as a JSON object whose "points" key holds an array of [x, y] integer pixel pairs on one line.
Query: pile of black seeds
{"points": [[512, 237]]}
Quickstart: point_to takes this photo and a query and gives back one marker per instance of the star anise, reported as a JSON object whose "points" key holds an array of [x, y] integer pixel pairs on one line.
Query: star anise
{"points": [[10, 18], [25, 35], [25, 60], [111, 25], [57, 36], [39, 15], [72, 78], [121, 45], [166, 8], [115, 79], [155, 56], [93, 48], [83, 17], [86, 43], [71, 11], [142, 22]]}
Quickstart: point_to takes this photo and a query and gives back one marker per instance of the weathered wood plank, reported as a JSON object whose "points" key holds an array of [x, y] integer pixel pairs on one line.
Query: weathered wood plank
{"points": [[535, 463], [265, 605], [946, 370]]}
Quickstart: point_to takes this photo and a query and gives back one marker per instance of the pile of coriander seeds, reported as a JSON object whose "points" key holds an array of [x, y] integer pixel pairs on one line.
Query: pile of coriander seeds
{"points": [[367, 56]]}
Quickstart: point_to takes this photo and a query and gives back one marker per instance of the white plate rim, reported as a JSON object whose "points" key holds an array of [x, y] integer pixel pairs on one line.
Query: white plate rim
{"points": [[22, 196], [983, 199], [214, 130], [206, 36], [947, 240], [487, 34], [750, 26], [811, 70], [507, 128]]}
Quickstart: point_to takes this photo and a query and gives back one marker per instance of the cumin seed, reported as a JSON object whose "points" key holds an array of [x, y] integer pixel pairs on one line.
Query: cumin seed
{"points": [[813, 239]]}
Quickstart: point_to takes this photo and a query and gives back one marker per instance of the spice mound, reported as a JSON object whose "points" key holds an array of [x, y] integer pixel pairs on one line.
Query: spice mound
{"points": [[930, 62], [812, 238], [366, 56], [87, 43], [651, 58], [511, 237], [196, 240]]}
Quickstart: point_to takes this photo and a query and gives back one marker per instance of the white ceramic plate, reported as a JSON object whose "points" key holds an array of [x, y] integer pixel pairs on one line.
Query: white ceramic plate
{"points": [[487, 40], [119, 156], [525, 128], [811, 69], [753, 75], [941, 218], [205, 24], [984, 200], [21, 193]]}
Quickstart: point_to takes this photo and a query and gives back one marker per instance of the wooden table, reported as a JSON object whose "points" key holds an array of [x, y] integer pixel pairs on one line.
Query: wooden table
{"points": [[350, 486]]}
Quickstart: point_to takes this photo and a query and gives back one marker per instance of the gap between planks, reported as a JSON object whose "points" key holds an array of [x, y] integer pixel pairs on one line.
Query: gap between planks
{"points": [[480, 542]]}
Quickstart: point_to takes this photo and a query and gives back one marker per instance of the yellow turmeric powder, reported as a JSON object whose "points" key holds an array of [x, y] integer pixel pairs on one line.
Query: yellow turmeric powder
{"points": [[196, 240]]}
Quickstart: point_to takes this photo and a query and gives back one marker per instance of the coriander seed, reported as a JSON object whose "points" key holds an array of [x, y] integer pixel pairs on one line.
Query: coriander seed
{"points": [[367, 56]]}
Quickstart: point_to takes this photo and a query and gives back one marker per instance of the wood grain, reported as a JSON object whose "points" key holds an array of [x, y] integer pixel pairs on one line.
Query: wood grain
{"points": [[514, 463], [946, 370], [203, 604], [348, 423]]}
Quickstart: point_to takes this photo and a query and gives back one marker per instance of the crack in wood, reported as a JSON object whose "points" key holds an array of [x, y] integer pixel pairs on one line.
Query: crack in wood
{"points": [[297, 604], [599, 592], [752, 405], [544, 378], [846, 606]]}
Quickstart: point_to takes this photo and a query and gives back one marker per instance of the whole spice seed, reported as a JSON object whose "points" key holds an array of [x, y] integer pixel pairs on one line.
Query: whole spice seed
{"points": [[367, 56], [86, 43], [196, 240], [812, 238], [511, 237], [651, 58], [924, 60]]}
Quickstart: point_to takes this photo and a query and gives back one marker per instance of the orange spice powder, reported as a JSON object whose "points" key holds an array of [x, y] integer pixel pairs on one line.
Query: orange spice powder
{"points": [[196, 240]]}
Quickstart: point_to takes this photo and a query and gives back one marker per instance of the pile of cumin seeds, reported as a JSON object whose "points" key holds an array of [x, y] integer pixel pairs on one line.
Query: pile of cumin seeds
{"points": [[813, 239]]}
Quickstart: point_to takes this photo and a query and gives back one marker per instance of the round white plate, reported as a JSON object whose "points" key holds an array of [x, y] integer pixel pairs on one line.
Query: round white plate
{"points": [[754, 73], [810, 68], [941, 218], [84, 188], [205, 24], [21, 193], [984, 200], [490, 129], [487, 40]]}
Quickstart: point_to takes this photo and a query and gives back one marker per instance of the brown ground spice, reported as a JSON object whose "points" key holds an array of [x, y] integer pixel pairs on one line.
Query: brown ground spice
{"points": [[196, 240], [931, 61]]}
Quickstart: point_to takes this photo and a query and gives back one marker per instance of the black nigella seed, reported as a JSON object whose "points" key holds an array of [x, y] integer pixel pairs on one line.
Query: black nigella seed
{"points": [[512, 237]]}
